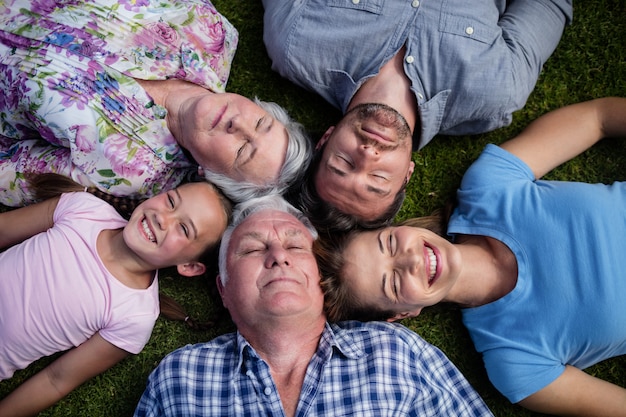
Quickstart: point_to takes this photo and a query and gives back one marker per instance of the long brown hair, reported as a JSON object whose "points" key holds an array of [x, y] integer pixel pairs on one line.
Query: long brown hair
{"points": [[50, 185]]}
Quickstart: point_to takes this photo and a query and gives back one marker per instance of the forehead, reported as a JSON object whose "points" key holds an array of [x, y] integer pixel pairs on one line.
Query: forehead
{"points": [[269, 223]]}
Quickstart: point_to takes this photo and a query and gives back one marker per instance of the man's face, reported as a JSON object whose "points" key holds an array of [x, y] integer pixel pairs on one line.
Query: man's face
{"points": [[272, 271], [366, 161]]}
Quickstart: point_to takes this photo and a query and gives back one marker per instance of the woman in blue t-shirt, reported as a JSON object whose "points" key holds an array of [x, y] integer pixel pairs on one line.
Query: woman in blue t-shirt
{"points": [[537, 266]]}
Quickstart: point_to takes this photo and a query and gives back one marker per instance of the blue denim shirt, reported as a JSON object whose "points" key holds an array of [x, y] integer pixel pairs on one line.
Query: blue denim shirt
{"points": [[471, 64]]}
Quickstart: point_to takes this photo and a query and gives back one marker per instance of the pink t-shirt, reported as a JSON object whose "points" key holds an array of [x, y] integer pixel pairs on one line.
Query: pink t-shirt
{"points": [[55, 292]]}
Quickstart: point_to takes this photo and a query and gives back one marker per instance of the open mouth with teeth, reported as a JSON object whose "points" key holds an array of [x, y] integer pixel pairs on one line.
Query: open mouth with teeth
{"points": [[431, 266], [147, 231]]}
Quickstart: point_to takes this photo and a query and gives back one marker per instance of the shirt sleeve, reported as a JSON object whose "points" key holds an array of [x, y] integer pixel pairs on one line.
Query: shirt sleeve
{"points": [[131, 334], [518, 374], [453, 394], [444, 389]]}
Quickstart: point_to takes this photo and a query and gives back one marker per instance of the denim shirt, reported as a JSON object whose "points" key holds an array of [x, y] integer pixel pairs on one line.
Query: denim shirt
{"points": [[466, 77]]}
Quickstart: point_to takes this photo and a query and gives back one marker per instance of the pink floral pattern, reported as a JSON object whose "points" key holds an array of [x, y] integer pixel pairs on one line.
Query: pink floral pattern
{"points": [[69, 102]]}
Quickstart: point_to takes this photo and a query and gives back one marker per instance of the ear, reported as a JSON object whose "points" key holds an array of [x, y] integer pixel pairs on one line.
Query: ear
{"points": [[324, 138], [191, 269], [409, 172], [405, 315], [220, 287]]}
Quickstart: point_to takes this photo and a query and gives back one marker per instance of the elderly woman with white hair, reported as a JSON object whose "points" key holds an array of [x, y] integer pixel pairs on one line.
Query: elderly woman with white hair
{"points": [[130, 97]]}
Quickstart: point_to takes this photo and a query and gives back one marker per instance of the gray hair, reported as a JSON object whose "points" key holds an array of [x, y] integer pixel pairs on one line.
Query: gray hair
{"points": [[244, 210], [297, 157]]}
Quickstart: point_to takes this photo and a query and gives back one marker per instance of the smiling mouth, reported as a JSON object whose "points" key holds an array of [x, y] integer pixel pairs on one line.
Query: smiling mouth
{"points": [[147, 231], [432, 265], [380, 136]]}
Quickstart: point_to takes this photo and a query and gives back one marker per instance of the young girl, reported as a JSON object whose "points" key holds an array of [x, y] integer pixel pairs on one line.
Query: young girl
{"points": [[83, 279], [537, 265]]}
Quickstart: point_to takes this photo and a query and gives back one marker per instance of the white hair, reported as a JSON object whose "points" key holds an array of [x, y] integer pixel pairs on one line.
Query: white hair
{"points": [[244, 210]]}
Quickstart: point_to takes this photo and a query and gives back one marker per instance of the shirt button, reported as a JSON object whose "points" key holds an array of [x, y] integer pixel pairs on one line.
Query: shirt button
{"points": [[356, 1], [409, 59], [469, 30], [268, 390], [415, 3], [420, 96]]}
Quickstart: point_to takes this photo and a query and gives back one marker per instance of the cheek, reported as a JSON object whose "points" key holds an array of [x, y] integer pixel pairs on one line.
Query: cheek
{"points": [[212, 151], [242, 268]]}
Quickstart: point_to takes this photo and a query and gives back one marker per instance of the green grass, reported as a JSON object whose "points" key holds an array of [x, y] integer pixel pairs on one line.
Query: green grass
{"points": [[590, 62]]}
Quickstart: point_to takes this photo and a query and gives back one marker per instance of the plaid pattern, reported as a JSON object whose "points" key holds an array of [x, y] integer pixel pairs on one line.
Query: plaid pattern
{"points": [[360, 369]]}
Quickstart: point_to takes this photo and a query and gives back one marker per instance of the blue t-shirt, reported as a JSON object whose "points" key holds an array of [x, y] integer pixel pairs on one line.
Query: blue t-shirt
{"points": [[568, 304]]}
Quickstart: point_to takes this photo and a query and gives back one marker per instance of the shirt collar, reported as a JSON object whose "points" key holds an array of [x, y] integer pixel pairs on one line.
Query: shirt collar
{"points": [[332, 337], [335, 337]]}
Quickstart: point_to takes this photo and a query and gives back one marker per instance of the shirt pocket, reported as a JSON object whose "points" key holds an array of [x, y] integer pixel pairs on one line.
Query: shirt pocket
{"points": [[478, 24], [372, 6]]}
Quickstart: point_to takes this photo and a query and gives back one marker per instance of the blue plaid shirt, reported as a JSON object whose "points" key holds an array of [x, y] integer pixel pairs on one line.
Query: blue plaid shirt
{"points": [[362, 369]]}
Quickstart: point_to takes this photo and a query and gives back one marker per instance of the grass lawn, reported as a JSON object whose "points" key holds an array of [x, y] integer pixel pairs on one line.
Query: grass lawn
{"points": [[590, 62]]}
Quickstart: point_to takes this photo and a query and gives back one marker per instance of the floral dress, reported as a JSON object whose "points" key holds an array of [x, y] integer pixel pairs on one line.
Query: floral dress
{"points": [[69, 102]]}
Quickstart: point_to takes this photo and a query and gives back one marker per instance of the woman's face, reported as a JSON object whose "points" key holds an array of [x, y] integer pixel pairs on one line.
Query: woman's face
{"points": [[402, 269], [231, 135]]}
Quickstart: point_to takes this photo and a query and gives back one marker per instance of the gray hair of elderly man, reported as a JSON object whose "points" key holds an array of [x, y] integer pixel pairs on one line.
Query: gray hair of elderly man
{"points": [[244, 210], [299, 153]]}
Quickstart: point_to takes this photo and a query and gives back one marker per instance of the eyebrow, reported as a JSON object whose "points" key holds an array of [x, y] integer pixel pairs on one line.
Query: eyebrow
{"points": [[260, 237], [294, 232], [252, 235], [193, 225], [378, 191], [384, 284], [335, 170]]}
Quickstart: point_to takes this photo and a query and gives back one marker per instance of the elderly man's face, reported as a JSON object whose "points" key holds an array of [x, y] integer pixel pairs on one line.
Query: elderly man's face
{"points": [[271, 269]]}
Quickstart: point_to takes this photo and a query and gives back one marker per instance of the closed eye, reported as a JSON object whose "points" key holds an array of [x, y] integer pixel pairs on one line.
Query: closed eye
{"points": [[185, 229], [241, 149], [394, 284], [346, 161]]}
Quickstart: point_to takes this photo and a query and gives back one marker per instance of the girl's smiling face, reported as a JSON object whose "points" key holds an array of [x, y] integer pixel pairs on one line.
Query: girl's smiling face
{"points": [[176, 227], [401, 269]]}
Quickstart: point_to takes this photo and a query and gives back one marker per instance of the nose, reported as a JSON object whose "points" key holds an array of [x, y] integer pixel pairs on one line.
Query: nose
{"points": [[162, 220], [277, 256], [369, 150], [238, 125], [409, 261]]}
